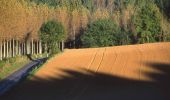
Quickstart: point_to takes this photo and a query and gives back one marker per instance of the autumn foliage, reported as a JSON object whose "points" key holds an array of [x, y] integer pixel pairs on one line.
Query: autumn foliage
{"points": [[22, 17]]}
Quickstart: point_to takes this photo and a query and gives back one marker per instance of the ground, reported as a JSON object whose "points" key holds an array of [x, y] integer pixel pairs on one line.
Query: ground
{"points": [[134, 72], [11, 65]]}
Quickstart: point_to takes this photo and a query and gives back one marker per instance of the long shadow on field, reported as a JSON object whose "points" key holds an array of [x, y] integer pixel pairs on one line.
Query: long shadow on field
{"points": [[161, 80], [94, 86]]}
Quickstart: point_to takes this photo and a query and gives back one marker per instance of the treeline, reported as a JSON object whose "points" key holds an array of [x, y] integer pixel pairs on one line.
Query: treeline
{"points": [[143, 21], [21, 20]]}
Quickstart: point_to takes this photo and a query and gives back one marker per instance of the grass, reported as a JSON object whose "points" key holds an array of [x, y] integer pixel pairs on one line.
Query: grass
{"points": [[34, 70], [9, 66], [38, 56]]}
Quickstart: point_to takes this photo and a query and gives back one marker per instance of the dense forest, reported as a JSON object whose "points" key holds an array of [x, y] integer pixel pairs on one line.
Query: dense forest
{"points": [[136, 21]]}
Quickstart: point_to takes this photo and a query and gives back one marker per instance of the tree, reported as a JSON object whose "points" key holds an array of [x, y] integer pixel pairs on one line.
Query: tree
{"points": [[147, 23], [51, 33], [13, 18], [103, 32]]}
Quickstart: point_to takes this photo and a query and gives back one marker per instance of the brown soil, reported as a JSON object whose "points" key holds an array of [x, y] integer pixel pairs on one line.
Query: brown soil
{"points": [[134, 72]]}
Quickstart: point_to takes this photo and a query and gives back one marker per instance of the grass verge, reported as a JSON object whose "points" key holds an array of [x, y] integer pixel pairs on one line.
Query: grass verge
{"points": [[10, 65]]}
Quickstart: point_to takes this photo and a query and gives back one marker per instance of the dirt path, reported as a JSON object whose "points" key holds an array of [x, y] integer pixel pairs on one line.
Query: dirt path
{"points": [[134, 72]]}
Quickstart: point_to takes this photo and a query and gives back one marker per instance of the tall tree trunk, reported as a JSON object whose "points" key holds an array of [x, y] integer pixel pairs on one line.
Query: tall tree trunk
{"points": [[40, 47], [28, 47], [19, 48], [0, 50], [7, 51], [62, 46], [4, 50], [10, 48], [37, 47], [13, 47]]}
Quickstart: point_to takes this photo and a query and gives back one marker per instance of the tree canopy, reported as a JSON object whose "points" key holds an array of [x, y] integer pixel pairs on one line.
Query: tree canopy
{"points": [[147, 22], [51, 33], [102, 33]]}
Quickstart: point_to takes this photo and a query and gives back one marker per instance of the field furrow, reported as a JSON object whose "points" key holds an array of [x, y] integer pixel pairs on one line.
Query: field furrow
{"points": [[133, 72]]}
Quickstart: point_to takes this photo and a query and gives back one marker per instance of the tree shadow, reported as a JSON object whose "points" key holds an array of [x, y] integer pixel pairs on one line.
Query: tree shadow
{"points": [[161, 79], [89, 85]]}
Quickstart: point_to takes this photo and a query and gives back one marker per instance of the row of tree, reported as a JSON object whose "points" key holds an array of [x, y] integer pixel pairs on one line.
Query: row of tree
{"points": [[145, 21], [131, 15], [12, 48]]}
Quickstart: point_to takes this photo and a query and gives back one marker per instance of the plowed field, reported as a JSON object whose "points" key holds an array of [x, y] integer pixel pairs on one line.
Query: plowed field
{"points": [[134, 72]]}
